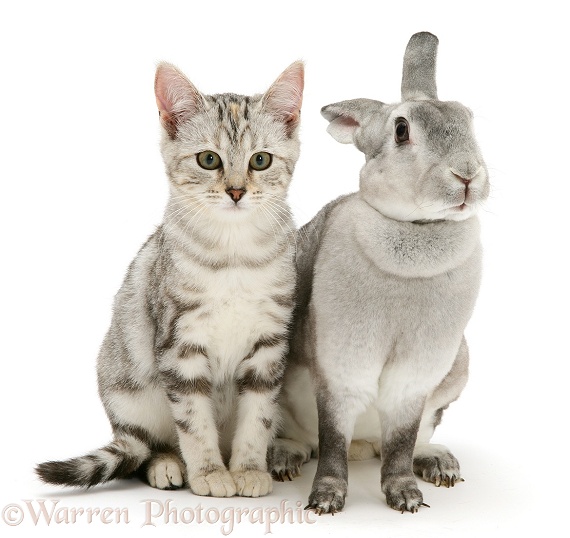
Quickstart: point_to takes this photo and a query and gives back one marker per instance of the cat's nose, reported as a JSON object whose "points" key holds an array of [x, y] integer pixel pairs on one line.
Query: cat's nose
{"points": [[235, 193]]}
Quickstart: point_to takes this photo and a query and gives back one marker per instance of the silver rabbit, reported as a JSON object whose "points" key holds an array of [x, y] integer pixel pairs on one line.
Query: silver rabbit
{"points": [[388, 278]]}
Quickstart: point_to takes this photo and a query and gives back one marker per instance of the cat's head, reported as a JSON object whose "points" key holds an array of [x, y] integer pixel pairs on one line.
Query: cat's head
{"points": [[422, 158], [228, 155]]}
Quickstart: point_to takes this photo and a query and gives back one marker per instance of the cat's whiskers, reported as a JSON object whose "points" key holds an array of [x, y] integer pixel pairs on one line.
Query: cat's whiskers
{"points": [[171, 214], [302, 232], [305, 231], [267, 214], [284, 224], [194, 209], [192, 222], [176, 216], [287, 235], [178, 229], [279, 210], [185, 197], [182, 201], [280, 207], [284, 211], [277, 200]]}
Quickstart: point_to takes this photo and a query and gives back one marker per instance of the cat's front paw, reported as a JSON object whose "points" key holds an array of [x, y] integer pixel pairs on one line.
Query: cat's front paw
{"points": [[165, 471], [217, 483], [327, 495], [252, 483], [402, 494], [436, 464]]}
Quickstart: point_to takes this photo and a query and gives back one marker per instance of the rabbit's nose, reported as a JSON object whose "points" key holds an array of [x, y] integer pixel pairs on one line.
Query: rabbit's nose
{"points": [[466, 173], [464, 165], [463, 179]]}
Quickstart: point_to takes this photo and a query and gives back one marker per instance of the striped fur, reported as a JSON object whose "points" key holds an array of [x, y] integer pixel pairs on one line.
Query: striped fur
{"points": [[191, 366]]}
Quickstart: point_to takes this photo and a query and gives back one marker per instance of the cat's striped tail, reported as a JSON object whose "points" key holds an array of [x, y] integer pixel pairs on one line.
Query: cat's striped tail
{"points": [[119, 459]]}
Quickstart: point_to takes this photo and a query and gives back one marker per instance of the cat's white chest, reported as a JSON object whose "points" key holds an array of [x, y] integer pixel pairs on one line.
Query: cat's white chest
{"points": [[235, 314]]}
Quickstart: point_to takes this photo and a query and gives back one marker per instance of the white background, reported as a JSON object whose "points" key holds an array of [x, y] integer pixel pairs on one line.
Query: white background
{"points": [[82, 186]]}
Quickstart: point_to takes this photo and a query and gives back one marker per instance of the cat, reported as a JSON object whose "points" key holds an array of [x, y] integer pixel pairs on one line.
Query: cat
{"points": [[190, 369]]}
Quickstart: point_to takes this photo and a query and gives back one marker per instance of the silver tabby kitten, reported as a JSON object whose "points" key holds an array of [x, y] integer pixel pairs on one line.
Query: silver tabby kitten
{"points": [[190, 369]]}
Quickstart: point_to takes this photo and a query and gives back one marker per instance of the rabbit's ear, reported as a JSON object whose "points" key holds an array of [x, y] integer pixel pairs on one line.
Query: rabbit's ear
{"points": [[418, 76], [346, 117]]}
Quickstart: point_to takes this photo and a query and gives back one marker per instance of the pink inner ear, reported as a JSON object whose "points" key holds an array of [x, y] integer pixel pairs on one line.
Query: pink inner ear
{"points": [[177, 99], [342, 129], [347, 121], [162, 104], [285, 96], [165, 78]]}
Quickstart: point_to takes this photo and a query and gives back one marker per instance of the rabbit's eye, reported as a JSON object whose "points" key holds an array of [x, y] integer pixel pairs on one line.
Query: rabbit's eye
{"points": [[402, 131]]}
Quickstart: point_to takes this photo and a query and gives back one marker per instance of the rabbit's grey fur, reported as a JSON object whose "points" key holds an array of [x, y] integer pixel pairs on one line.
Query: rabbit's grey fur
{"points": [[387, 281]]}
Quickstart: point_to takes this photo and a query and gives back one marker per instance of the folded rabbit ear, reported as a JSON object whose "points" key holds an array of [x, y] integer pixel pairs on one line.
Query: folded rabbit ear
{"points": [[418, 77], [346, 117]]}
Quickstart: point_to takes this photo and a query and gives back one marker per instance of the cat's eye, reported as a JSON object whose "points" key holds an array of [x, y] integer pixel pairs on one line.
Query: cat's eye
{"points": [[402, 130], [260, 161], [209, 160]]}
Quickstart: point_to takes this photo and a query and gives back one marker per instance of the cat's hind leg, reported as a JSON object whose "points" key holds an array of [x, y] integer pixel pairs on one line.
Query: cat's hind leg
{"points": [[165, 470], [435, 463], [141, 422]]}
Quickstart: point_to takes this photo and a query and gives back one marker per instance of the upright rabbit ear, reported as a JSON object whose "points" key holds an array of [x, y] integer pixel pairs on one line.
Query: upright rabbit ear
{"points": [[285, 96], [176, 97], [346, 117], [418, 77]]}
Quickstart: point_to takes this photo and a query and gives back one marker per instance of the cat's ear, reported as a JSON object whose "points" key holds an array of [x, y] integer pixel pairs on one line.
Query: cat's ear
{"points": [[285, 97], [176, 97]]}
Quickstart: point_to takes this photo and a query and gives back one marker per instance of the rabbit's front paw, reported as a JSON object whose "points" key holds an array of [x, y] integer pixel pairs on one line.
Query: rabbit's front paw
{"points": [[327, 495], [402, 494]]}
